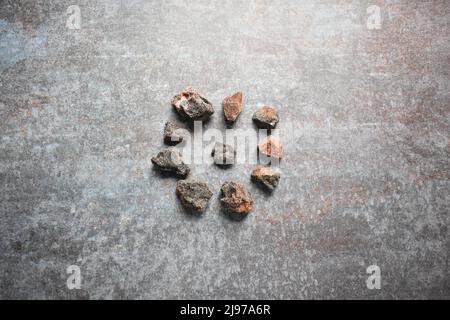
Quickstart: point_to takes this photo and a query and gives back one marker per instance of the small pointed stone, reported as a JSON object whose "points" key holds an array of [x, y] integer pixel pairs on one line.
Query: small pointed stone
{"points": [[192, 106], [236, 199], [170, 160], [223, 154], [271, 147], [194, 195], [172, 133], [266, 117], [265, 176], [232, 107]]}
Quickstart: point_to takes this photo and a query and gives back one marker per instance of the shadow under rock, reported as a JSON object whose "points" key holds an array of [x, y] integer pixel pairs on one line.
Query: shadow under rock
{"points": [[190, 123], [235, 217], [191, 214], [165, 174], [261, 187]]}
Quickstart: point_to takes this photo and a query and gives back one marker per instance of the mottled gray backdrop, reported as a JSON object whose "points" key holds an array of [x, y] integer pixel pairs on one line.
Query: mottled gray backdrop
{"points": [[365, 179]]}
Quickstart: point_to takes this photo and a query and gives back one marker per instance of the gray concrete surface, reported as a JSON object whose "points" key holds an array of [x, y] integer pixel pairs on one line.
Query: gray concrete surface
{"points": [[365, 179]]}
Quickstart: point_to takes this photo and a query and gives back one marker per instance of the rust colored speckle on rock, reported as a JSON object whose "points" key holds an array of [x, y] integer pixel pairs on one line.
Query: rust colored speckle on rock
{"points": [[265, 176], [190, 105], [232, 107], [236, 199], [266, 117], [271, 147]]}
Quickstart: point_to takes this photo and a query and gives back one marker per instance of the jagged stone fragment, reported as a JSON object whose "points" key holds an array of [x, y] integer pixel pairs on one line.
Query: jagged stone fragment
{"points": [[194, 195], [223, 154], [265, 176], [271, 147], [170, 160], [232, 107], [236, 199], [192, 106], [266, 117], [172, 133]]}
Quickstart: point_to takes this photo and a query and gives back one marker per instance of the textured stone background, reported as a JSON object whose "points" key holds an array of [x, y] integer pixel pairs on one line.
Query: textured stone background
{"points": [[365, 179]]}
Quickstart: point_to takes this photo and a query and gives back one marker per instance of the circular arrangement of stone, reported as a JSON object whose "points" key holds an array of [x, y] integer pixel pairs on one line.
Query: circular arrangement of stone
{"points": [[194, 195]]}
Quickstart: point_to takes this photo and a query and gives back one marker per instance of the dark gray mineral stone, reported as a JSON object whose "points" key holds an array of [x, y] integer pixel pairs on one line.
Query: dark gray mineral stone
{"points": [[223, 154], [236, 199], [192, 106], [172, 133], [170, 160], [194, 195], [266, 117], [265, 176]]}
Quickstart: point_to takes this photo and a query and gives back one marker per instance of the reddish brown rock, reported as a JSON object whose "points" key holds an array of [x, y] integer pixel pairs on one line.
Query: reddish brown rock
{"points": [[232, 107], [265, 176], [236, 199], [266, 117], [192, 106], [271, 147]]}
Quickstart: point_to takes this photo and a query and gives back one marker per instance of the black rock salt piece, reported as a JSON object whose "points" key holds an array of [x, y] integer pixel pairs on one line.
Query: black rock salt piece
{"points": [[170, 160], [172, 133], [236, 199], [194, 195], [223, 154], [190, 105]]}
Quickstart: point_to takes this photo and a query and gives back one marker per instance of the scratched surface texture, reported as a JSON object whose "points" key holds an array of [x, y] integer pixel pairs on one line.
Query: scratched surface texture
{"points": [[365, 179]]}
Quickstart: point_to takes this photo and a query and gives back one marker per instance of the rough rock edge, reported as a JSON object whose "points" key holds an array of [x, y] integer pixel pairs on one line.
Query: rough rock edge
{"points": [[180, 169], [232, 107], [194, 200], [266, 177], [189, 93], [266, 117], [236, 199]]}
